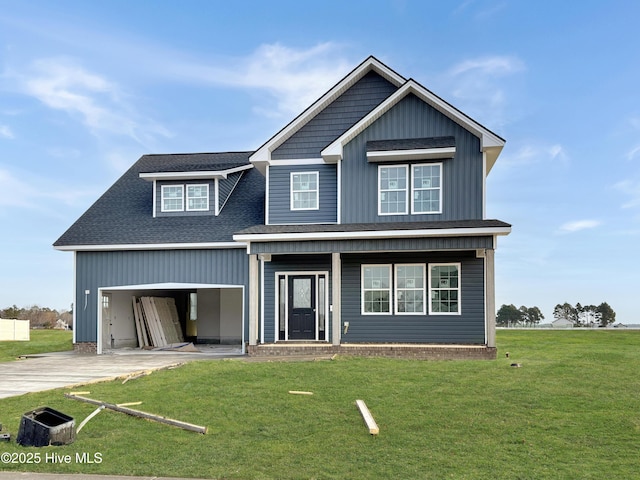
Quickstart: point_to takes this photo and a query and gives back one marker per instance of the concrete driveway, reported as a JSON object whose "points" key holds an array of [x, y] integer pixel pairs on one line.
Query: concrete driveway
{"points": [[56, 370]]}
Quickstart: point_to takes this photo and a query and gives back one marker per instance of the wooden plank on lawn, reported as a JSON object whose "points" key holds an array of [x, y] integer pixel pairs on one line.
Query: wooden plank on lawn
{"points": [[368, 418]]}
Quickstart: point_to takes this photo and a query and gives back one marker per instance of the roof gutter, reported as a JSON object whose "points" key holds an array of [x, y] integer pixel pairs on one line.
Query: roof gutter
{"points": [[433, 232]]}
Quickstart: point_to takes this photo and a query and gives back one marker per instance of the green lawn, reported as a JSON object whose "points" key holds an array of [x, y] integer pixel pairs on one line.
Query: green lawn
{"points": [[42, 341], [571, 411]]}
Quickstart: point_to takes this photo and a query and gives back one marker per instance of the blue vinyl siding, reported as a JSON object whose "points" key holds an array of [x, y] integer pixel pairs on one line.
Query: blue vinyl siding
{"points": [[334, 120], [371, 245], [280, 195], [412, 118], [110, 269], [289, 263], [226, 186], [467, 328]]}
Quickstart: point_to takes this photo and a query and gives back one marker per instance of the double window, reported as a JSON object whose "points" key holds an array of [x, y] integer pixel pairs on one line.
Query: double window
{"points": [[304, 190], [402, 289], [173, 198], [401, 188]]}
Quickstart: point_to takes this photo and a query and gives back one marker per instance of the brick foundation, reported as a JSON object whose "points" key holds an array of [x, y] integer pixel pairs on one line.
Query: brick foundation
{"points": [[85, 347], [418, 352]]}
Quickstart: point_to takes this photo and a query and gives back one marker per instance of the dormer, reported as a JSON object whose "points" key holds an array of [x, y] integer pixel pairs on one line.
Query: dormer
{"points": [[200, 192]]}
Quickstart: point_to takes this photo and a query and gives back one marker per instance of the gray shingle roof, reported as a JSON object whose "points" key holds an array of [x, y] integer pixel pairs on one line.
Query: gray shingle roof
{"points": [[373, 227], [124, 215]]}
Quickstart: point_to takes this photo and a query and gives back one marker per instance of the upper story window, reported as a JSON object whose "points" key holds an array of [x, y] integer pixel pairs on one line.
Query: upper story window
{"points": [[426, 191], [392, 190], [172, 198], [198, 197], [423, 182], [304, 190]]}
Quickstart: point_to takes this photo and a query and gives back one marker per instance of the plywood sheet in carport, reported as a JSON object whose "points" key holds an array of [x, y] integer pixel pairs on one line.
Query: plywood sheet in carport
{"points": [[157, 322]]}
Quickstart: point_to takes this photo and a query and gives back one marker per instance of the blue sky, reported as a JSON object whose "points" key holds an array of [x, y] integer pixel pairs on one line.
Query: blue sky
{"points": [[88, 87]]}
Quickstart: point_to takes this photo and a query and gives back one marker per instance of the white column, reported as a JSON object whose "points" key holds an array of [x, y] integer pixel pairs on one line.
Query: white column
{"points": [[490, 292], [254, 302], [336, 282]]}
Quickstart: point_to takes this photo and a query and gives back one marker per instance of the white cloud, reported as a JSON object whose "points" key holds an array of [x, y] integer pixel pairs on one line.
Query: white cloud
{"points": [[633, 153], [478, 86], [294, 78], [62, 84], [489, 66], [38, 193], [630, 188], [5, 132], [578, 225], [533, 154]]}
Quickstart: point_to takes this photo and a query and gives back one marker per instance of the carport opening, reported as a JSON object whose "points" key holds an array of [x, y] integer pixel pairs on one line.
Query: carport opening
{"points": [[207, 316]]}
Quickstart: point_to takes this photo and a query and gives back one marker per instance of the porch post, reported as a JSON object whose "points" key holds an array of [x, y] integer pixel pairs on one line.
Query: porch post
{"points": [[254, 300], [336, 282], [490, 302]]}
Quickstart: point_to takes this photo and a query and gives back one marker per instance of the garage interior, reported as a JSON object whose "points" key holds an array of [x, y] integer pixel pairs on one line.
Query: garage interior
{"points": [[207, 316]]}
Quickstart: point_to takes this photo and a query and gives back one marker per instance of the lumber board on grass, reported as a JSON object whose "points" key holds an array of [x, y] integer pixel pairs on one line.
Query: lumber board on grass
{"points": [[137, 413], [368, 418]]}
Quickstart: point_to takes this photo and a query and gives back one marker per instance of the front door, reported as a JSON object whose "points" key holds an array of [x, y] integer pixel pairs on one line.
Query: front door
{"points": [[302, 307]]}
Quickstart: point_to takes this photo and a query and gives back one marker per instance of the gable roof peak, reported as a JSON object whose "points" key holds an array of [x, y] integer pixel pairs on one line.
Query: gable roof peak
{"points": [[262, 156]]}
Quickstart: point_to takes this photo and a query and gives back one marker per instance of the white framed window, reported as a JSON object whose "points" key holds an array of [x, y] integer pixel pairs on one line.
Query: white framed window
{"points": [[376, 290], [172, 198], [426, 188], [304, 190], [197, 197], [393, 189], [409, 289], [444, 288]]}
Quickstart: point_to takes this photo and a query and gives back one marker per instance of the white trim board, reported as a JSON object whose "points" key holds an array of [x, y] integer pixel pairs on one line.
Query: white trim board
{"points": [[193, 175], [262, 156], [490, 143], [150, 246], [435, 232]]}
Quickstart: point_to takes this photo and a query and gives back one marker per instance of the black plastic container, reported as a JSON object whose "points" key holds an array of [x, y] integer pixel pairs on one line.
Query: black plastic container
{"points": [[46, 426]]}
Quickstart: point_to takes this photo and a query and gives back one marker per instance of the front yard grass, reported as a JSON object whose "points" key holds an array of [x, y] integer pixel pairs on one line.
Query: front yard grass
{"points": [[41, 341], [572, 410]]}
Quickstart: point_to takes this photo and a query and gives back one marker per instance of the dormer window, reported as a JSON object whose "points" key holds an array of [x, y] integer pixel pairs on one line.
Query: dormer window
{"points": [[197, 198], [172, 198]]}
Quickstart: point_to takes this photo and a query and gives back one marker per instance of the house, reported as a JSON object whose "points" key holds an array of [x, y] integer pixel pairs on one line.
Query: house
{"points": [[562, 323], [358, 228]]}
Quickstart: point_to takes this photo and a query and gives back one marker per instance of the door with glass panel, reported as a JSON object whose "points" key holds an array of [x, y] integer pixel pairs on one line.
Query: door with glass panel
{"points": [[302, 307]]}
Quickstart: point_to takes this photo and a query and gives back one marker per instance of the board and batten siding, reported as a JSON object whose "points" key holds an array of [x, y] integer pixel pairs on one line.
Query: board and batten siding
{"points": [[466, 328], [413, 118], [96, 270], [226, 186], [372, 245], [289, 263], [280, 195], [336, 118]]}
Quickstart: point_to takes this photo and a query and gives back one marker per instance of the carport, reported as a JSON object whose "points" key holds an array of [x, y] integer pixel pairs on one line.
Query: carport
{"points": [[209, 314]]}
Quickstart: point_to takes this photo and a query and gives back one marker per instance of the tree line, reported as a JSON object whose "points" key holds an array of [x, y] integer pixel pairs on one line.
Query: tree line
{"points": [[40, 317], [580, 315], [585, 315]]}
